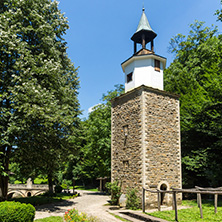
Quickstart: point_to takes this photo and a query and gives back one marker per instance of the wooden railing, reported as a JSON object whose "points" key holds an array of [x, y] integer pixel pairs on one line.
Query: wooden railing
{"points": [[197, 190]]}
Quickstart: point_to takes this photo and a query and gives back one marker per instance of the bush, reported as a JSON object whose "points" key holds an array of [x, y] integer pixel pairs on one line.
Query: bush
{"points": [[115, 190], [58, 189], [132, 202], [74, 215], [16, 212]]}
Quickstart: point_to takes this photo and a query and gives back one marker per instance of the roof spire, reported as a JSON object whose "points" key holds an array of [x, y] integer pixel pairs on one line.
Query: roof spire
{"points": [[144, 32]]}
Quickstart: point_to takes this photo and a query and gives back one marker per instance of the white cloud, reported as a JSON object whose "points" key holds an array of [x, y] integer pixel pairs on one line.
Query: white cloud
{"points": [[92, 107]]}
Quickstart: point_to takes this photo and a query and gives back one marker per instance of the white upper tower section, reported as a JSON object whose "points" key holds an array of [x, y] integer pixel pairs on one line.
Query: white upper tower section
{"points": [[144, 67]]}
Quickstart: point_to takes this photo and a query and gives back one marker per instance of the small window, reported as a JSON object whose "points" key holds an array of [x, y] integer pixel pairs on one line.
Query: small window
{"points": [[129, 77], [125, 163], [157, 65]]}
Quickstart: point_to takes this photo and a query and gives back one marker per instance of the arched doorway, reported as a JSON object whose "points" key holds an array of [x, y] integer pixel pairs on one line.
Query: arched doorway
{"points": [[163, 187], [29, 194]]}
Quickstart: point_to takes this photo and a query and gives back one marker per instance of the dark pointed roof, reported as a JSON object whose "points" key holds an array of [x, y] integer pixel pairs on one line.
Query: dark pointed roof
{"points": [[143, 28]]}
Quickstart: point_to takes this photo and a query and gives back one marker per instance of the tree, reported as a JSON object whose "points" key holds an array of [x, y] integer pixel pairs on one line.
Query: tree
{"points": [[219, 13], [94, 159], [38, 87], [195, 74]]}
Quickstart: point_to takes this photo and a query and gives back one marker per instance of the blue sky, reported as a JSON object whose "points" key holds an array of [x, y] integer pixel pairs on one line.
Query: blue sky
{"points": [[100, 32]]}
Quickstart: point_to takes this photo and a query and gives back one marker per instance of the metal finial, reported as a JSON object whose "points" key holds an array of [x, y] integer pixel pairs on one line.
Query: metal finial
{"points": [[143, 7]]}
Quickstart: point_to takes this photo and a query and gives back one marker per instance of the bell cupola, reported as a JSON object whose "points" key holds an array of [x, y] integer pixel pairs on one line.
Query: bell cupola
{"points": [[144, 67], [144, 34]]}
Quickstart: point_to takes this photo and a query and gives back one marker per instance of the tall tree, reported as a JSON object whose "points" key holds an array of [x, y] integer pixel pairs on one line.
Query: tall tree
{"points": [[195, 74], [94, 159], [38, 86]]}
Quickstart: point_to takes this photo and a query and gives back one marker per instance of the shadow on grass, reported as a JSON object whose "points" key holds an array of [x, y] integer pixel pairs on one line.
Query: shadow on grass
{"points": [[96, 194]]}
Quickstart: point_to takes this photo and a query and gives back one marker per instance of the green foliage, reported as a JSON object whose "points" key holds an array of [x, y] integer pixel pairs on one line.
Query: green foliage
{"points": [[74, 215], [191, 214], [133, 201], [50, 219], [16, 212], [40, 180], [94, 159], [195, 74], [219, 14], [58, 189], [38, 87], [115, 190]]}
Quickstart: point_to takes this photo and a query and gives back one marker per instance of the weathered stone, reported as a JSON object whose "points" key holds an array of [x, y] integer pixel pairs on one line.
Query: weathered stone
{"points": [[152, 144]]}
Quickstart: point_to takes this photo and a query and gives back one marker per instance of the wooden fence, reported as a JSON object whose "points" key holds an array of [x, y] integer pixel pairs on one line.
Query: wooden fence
{"points": [[197, 190]]}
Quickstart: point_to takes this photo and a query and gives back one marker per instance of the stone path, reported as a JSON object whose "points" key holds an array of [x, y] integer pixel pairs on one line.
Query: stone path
{"points": [[92, 203]]}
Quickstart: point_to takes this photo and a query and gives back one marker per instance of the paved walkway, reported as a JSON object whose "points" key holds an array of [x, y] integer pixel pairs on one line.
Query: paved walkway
{"points": [[92, 203], [95, 204]]}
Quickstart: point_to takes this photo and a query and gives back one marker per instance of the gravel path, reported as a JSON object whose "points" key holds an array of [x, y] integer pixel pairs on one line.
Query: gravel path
{"points": [[88, 202]]}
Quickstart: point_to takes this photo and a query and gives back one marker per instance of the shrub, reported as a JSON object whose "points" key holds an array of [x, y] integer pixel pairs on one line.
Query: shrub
{"points": [[16, 212], [115, 190], [133, 201], [74, 215], [58, 189]]}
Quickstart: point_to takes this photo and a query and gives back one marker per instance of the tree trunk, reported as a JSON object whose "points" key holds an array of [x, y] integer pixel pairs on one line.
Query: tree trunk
{"points": [[3, 187], [50, 183], [4, 179]]}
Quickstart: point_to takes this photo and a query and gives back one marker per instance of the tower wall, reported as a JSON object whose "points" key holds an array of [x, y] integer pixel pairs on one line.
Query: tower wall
{"points": [[143, 69], [149, 156], [126, 155]]}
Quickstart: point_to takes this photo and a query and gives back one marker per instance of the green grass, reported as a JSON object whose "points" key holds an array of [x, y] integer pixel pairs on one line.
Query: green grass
{"points": [[50, 219], [118, 217], [192, 214], [41, 199]]}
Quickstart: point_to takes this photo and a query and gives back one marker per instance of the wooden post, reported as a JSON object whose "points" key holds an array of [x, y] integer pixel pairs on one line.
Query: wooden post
{"points": [[152, 47], [143, 201], [198, 201], [135, 48], [175, 205], [159, 200], [215, 203], [143, 41], [101, 184], [200, 204], [73, 185]]}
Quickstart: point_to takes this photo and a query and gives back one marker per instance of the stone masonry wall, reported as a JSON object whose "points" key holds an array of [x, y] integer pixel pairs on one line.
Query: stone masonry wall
{"points": [[127, 149], [146, 142], [162, 143]]}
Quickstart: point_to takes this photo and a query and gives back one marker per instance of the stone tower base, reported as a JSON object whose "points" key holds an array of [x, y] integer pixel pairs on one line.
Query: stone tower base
{"points": [[146, 142]]}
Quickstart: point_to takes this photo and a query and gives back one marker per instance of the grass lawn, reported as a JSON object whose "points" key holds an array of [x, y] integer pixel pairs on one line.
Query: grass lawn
{"points": [[84, 188], [41, 199], [193, 214], [50, 219]]}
